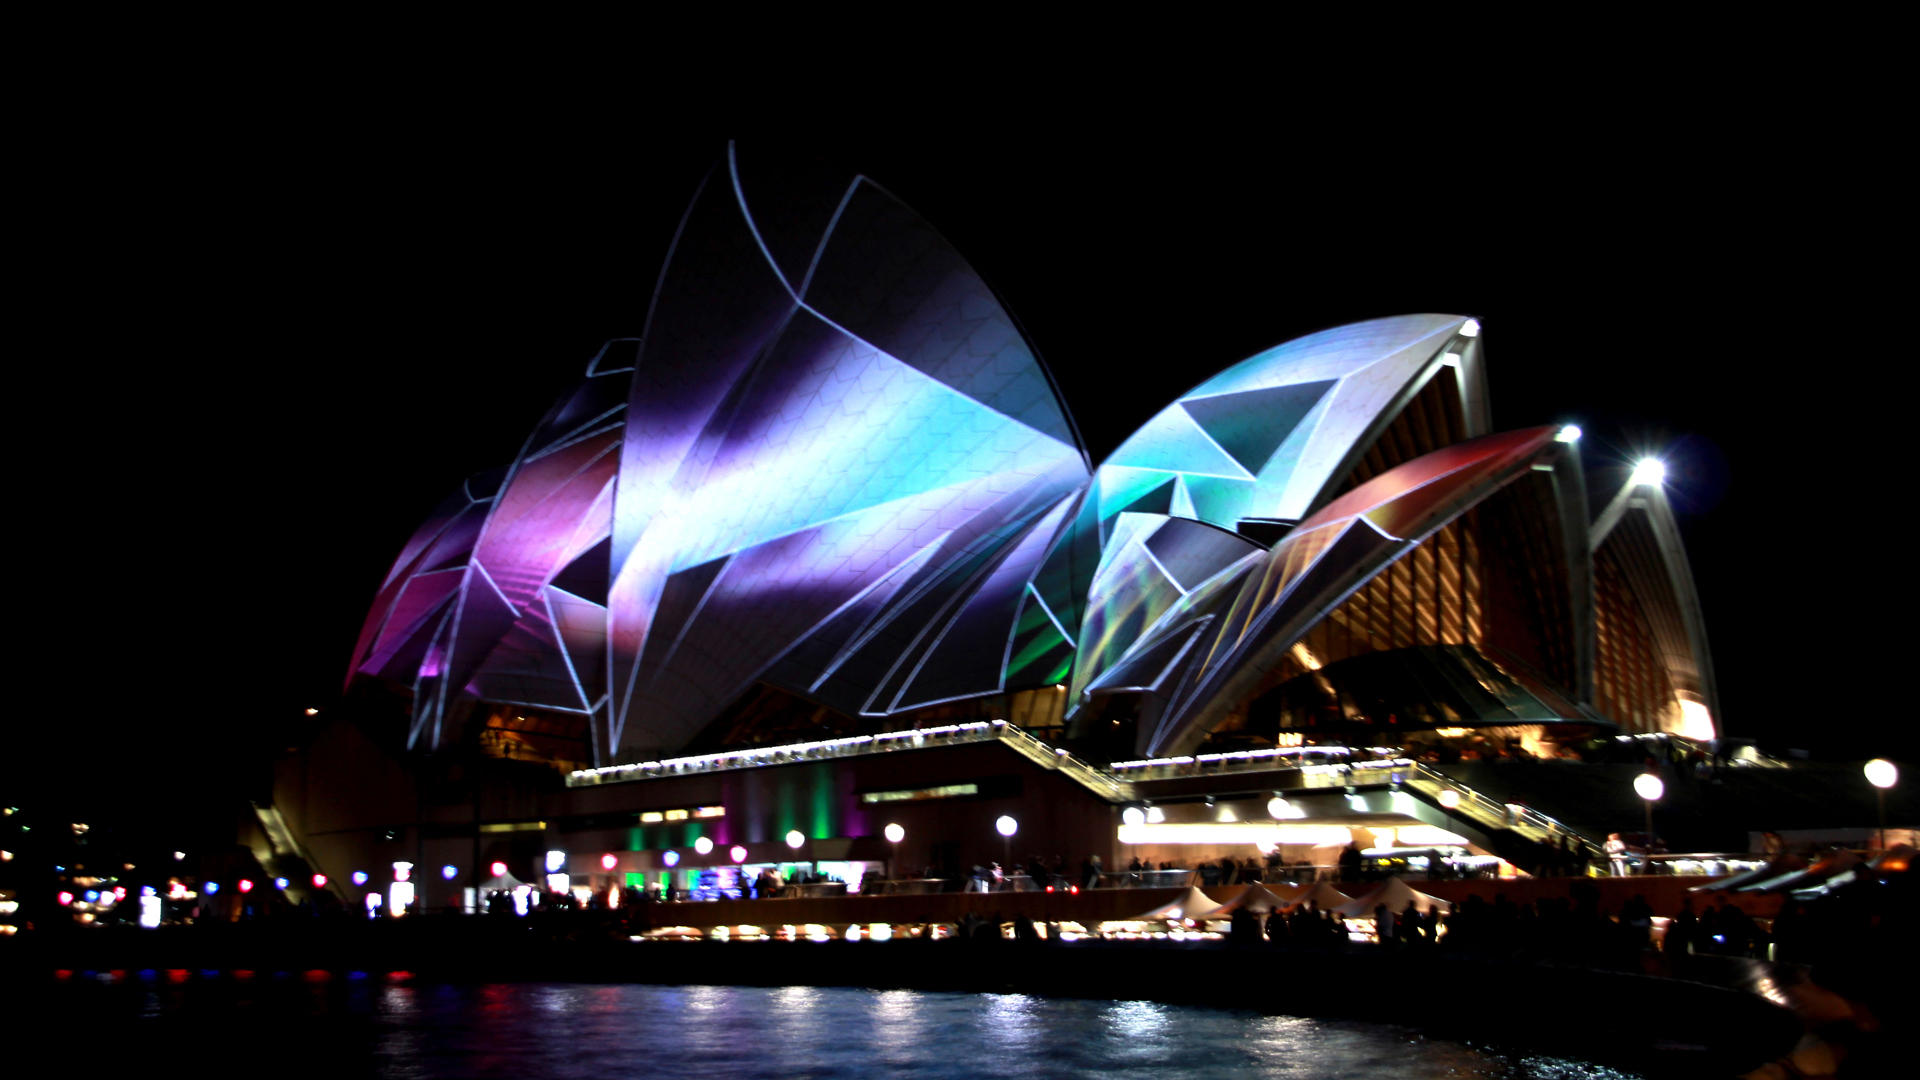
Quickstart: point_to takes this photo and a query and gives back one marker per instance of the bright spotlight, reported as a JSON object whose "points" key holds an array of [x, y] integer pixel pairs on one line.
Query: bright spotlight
{"points": [[795, 839], [737, 853], [895, 834], [1882, 773], [1649, 787], [1650, 471], [1471, 329], [1570, 433], [1133, 815], [703, 845], [1006, 826]]}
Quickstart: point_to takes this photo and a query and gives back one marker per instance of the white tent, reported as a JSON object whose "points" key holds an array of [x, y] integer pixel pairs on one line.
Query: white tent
{"points": [[1259, 899], [1396, 895], [1193, 904], [1324, 897]]}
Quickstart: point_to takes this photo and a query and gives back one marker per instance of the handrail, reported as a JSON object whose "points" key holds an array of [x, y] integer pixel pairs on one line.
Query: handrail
{"points": [[1106, 783]]}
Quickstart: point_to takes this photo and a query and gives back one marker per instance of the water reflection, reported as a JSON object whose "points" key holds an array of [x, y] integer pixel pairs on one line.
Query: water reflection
{"points": [[534, 1030]]}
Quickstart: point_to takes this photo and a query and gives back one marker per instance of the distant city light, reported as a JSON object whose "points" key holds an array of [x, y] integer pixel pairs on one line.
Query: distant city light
{"points": [[178, 855], [671, 858], [1649, 787], [702, 845], [359, 877], [556, 860], [609, 861], [65, 898], [151, 907], [1570, 433], [91, 895], [245, 884], [319, 881], [281, 883], [313, 712], [1006, 826], [499, 869], [1650, 471], [449, 872], [1882, 773], [895, 834], [738, 853], [795, 838]]}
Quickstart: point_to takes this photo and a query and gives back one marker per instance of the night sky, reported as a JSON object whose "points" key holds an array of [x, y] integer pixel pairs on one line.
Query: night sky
{"points": [[302, 341]]}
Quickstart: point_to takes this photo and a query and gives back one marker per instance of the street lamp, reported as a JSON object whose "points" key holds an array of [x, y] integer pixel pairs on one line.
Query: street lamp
{"points": [[1882, 774], [1649, 787], [895, 834], [1006, 827]]}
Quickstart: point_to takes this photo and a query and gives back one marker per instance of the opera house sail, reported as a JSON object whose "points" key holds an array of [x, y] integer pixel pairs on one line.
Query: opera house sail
{"points": [[831, 480]]}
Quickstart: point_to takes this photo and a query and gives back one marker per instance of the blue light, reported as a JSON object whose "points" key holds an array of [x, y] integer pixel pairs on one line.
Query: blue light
{"points": [[212, 887], [359, 877], [449, 871], [92, 895], [671, 858], [280, 883]]}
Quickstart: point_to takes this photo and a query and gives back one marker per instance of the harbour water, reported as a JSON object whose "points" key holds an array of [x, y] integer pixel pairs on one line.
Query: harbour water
{"points": [[395, 1025]]}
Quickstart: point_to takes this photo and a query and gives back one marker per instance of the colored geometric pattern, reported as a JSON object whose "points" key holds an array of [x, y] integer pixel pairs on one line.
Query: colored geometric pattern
{"points": [[831, 463]]}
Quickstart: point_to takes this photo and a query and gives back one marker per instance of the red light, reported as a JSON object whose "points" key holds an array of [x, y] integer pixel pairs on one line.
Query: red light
{"points": [[1073, 890], [246, 885], [66, 898], [1049, 888], [319, 881], [499, 869], [608, 862], [119, 892]]}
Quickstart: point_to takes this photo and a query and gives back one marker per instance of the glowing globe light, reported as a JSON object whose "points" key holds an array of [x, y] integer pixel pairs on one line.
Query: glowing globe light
{"points": [[280, 883], [1650, 471], [609, 861], [738, 853], [703, 845], [65, 898], [1133, 815], [359, 877], [895, 834], [319, 881], [449, 872], [212, 888], [671, 858], [499, 869], [1882, 773], [795, 838], [1649, 787], [1006, 826], [1450, 799], [246, 884], [92, 895]]}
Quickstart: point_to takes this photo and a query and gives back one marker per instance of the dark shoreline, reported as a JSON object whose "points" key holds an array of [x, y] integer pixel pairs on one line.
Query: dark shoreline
{"points": [[1653, 1025]]}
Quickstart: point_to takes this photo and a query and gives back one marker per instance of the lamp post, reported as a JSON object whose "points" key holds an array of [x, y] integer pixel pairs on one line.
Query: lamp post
{"points": [[1882, 774], [895, 834], [1649, 787], [1006, 827]]}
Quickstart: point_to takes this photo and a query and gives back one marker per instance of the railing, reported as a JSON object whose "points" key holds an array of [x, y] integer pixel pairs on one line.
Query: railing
{"points": [[1119, 784]]}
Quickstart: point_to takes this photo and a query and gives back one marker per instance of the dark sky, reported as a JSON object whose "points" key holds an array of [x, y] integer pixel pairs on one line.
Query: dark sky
{"points": [[302, 341]]}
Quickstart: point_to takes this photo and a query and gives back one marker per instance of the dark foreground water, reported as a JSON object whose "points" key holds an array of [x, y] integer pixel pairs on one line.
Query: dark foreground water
{"points": [[396, 1026]]}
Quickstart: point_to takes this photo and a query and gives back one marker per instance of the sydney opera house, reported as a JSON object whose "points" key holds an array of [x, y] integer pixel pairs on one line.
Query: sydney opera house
{"points": [[821, 551]]}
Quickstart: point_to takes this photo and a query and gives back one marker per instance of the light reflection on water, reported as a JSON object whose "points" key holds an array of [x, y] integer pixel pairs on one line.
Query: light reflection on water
{"points": [[412, 1028]]}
